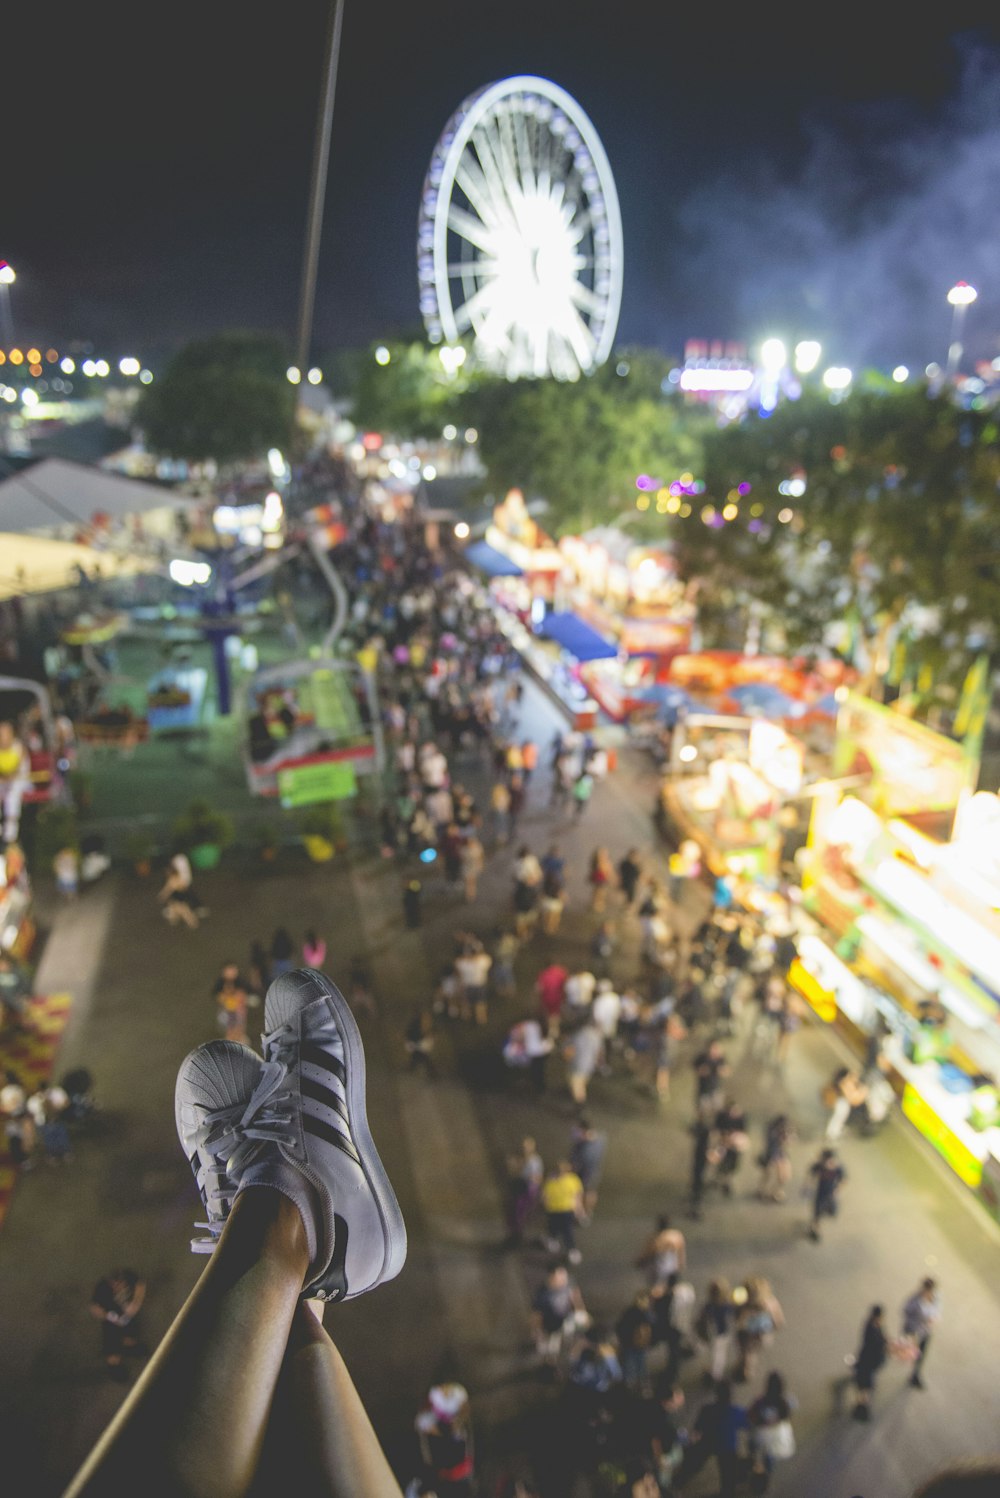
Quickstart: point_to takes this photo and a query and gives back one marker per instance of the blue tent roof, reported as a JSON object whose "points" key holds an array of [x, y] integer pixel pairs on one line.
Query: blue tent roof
{"points": [[575, 635], [491, 561]]}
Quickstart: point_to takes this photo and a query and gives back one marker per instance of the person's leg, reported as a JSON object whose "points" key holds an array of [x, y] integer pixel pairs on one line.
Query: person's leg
{"points": [[319, 1422], [922, 1344], [197, 1416]]}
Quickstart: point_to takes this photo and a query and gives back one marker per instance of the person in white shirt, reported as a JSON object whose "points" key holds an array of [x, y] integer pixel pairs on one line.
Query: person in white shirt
{"points": [[606, 1009], [473, 969], [580, 990]]}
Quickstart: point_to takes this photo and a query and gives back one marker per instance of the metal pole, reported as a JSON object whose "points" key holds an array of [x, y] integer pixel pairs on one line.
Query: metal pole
{"points": [[317, 192]]}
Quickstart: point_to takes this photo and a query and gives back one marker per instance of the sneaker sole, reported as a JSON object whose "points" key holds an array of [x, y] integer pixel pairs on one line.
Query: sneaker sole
{"points": [[393, 1226]]}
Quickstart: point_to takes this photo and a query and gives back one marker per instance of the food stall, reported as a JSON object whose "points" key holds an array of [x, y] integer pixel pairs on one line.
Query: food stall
{"points": [[632, 597], [903, 887], [747, 772], [520, 560]]}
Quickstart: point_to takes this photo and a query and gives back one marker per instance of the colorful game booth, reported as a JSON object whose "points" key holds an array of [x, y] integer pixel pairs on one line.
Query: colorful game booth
{"points": [[902, 886]]}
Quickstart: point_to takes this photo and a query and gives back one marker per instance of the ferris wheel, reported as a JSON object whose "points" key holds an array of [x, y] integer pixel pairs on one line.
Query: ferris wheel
{"points": [[519, 240]]}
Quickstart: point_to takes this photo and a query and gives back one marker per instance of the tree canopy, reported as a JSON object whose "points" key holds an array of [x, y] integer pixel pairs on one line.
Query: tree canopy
{"points": [[224, 397], [878, 516]]}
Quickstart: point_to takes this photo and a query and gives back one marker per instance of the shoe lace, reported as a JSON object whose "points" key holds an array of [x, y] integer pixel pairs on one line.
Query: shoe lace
{"points": [[232, 1137], [282, 1045]]}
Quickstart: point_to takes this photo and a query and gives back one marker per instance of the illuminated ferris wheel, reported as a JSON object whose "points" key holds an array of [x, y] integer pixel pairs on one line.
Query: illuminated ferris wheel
{"points": [[519, 242]]}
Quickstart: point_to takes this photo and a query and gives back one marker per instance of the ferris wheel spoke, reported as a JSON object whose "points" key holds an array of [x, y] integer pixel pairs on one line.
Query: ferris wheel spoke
{"points": [[586, 299], [493, 175], [580, 227], [524, 155], [470, 179], [508, 158], [577, 335], [479, 306], [468, 227]]}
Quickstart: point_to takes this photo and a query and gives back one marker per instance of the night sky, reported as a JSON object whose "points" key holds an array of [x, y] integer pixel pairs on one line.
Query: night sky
{"points": [[828, 178]]}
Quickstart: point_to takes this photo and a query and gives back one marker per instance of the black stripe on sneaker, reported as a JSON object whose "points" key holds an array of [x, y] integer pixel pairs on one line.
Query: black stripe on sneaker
{"points": [[317, 1056], [321, 1094], [331, 1135]]}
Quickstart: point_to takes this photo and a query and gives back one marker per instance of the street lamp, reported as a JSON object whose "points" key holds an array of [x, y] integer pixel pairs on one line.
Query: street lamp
{"points": [[807, 356], [7, 279], [961, 296]]}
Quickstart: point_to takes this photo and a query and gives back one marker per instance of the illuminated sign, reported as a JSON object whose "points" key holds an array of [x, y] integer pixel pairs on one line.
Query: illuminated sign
{"points": [[944, 1139], [709, 381], [821, 999], [326, 781]]}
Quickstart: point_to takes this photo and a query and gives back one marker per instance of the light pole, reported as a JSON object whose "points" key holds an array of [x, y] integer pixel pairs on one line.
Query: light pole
{"points": [[961, 296], [7, 279]]}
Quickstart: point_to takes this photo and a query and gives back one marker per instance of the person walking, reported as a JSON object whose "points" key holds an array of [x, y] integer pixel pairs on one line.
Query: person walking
{"points": [[634, 1331], [700, 1156], [562, 1203], [664, 1253], [444, 1434], [419, 1042], [313, 949], [583, 789], [731, 1143], [842, 1094], [550, 986], [525, 1173], [116, 1303], [710, 1070], [557, 1313], [774, 1162], [871, 1356], [583, 1053], [500, 812], [473, 968], [472, 859], [588, 1147], [282, 952], [600, 877], [772, 1438], [719, 1433], [829, 1175], [178, 898], [714, 1327], [921, 1314], [629, 874], [757, 1319]]}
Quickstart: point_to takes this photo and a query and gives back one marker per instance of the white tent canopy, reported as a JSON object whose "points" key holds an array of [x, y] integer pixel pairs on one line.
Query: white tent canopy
{"points": [[56, 497], [39, 564]]}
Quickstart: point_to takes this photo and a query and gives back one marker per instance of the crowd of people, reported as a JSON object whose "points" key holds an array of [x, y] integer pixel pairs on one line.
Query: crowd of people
{"points": [[683, 1375]]}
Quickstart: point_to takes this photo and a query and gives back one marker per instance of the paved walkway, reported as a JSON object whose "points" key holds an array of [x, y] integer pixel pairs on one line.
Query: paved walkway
{"points": [[141, 1001]]}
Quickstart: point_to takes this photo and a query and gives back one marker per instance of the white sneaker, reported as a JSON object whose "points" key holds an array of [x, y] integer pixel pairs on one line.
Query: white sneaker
{"points": [[311, 1034], [223, 1090]]}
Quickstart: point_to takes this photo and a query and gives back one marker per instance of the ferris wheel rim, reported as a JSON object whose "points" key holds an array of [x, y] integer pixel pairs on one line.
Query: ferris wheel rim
{"points": [[441, 181]]}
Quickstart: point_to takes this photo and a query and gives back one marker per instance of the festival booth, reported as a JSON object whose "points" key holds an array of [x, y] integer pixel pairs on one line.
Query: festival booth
{"points": [[746, 773], [520, 560], [630, 596], [17, 928], [903, 884], [175, 698], [312, 727]]}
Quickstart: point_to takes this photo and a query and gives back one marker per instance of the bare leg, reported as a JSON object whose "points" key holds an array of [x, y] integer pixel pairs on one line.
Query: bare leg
{"points": [[318, 1419], [194, 1424]]}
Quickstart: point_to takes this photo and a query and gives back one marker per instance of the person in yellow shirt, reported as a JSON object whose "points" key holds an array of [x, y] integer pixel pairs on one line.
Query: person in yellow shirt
{"points": [[15, 779], [562, 1203]]}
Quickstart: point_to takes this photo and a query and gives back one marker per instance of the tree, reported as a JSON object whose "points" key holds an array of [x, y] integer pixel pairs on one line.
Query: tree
{"points": [[225, 397], [884, 535], [412, 393], [581, 445]]}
